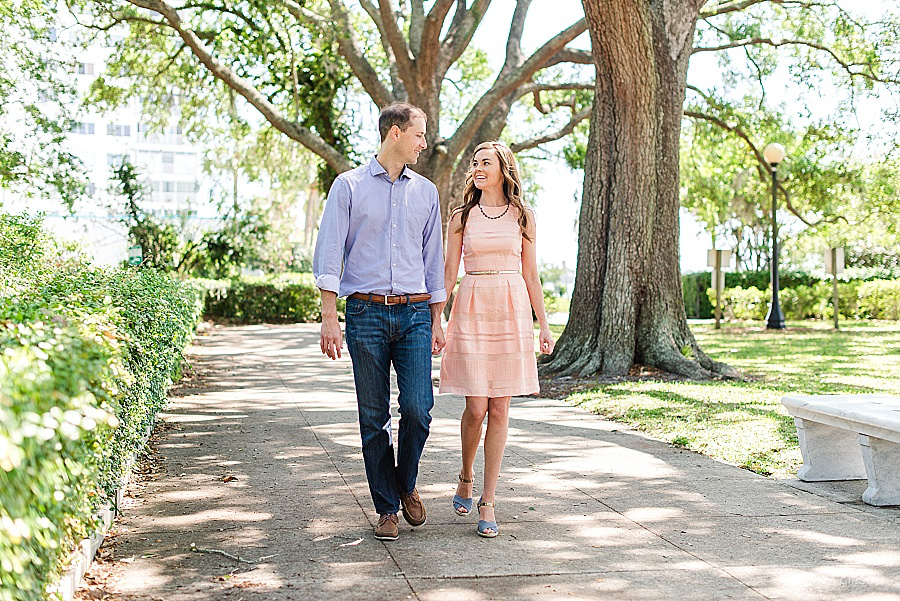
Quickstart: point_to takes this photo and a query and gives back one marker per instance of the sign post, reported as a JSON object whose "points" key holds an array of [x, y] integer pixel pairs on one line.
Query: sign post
{"points": [[135, 255], [834, 264], [718, 259]]}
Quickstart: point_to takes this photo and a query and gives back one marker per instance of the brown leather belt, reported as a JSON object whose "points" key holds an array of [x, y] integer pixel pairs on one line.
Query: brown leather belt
{"points": [[399, 299]]}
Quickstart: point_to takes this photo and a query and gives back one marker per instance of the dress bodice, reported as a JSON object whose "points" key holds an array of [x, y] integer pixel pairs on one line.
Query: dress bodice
{"points": [[492, 244]]}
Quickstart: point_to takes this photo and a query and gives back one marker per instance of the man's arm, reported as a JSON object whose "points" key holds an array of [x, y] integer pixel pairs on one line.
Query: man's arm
{"points": [[331, 339], [327, 263], [433, 253], [437, 330], [433, 257]]}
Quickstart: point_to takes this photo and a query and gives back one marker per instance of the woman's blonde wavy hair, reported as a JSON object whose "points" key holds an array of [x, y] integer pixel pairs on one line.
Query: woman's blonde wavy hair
{"points": [[512, 185]]}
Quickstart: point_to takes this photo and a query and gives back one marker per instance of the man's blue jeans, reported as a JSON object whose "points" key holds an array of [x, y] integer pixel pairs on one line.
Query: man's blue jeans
{"points": [[378, 335]]}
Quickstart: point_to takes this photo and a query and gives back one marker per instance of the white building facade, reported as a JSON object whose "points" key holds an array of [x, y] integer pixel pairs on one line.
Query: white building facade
{"points": [[170, 168]]}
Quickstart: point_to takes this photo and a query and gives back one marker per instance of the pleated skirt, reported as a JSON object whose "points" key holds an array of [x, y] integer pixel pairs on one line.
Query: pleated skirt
{"points": [[490, 339]]}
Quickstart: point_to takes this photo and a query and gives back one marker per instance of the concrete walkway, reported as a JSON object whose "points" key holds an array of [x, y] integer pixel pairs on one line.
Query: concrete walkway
{"points": [[587, 508]]}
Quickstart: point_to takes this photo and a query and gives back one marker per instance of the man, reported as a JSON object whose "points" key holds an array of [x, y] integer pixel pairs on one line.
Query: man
{"points": [[380, 245]]}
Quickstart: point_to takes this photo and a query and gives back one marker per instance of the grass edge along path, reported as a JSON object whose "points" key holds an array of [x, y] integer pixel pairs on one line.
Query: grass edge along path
{"points": [[744, 422]]}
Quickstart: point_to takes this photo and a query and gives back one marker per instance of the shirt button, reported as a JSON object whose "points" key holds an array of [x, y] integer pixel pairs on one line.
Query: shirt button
{"points": [[395, 225]]}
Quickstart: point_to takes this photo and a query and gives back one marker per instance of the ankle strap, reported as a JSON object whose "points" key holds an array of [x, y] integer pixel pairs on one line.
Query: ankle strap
{"points": [[485, 504], [461, 479]]}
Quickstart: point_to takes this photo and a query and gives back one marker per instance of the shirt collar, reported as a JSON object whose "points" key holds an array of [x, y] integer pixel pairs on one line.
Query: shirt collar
{"points": [[376, 168]]}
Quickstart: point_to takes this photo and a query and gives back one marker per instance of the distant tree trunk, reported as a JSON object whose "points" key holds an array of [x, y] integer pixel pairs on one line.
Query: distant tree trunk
{"points": [[627, 304], [313, 210]]}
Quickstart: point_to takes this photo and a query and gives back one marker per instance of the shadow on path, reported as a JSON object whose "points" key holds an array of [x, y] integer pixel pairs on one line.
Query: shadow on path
{"points": [[261, 461]]}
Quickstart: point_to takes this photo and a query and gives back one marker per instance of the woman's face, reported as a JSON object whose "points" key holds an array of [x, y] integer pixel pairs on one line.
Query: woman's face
{"points": [[486, 172]]}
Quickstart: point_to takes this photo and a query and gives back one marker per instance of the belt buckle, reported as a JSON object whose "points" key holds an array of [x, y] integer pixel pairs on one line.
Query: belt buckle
{"points": [[388, 304]]}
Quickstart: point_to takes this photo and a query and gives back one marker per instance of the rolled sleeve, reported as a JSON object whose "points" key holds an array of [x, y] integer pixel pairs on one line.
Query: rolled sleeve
{"points": [[328, 258], [433, 253]]}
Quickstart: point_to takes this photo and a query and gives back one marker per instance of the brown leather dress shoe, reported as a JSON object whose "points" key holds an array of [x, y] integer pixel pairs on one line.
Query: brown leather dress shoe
{"points": [[413, 509], [388, 527]]}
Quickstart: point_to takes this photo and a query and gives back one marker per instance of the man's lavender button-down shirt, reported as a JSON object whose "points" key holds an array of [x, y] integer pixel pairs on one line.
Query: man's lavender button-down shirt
{"points": [[380, 236]]}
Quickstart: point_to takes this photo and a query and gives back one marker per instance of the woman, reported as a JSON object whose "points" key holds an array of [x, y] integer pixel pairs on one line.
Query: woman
{"points": [[489, 355]]}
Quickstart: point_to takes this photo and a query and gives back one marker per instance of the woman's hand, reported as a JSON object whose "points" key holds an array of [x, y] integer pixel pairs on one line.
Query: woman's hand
{"points": [[546, 341]]}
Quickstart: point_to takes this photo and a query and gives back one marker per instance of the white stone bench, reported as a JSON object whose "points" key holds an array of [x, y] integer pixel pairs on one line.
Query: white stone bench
{"points": [[849, 437]]}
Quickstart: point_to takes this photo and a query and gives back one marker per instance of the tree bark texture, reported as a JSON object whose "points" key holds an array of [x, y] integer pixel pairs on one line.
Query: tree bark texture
{"points": [[627, 304]]}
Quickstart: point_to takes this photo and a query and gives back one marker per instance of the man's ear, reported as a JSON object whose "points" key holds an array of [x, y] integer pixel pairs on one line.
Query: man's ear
{"points": [[395, 131]]}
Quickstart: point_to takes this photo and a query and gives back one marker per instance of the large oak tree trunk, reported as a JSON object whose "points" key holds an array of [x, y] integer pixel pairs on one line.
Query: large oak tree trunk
{"points": [[627, 304]]}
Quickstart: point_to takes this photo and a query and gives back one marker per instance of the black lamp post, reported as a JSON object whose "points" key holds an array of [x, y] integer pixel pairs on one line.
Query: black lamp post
{"points": [[774, 154]]}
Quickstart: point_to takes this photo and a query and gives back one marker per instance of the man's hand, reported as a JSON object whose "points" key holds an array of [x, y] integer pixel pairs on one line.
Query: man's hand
{"points": [[332, 339], [437, 330], [437, 340]]}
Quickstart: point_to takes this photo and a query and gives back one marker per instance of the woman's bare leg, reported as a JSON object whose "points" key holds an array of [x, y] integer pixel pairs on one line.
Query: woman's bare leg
{"points": [[494, 445], [470, 433]]}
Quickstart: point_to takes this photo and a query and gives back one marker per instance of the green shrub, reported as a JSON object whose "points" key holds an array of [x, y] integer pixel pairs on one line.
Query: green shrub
{"points": [[696, 303], [278, 299], [879, 299], [876, 299], [86, 357]]}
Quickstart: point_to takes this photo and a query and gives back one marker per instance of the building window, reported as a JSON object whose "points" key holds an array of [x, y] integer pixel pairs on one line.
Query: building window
{"points": [[115, 160], [118, 130], [51, 34], [168, 186], [91, 189], [187, 187], [83, 128], [85, 68]]}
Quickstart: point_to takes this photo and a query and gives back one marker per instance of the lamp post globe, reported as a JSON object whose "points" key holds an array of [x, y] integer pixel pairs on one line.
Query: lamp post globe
{"points": [[774, 155]]}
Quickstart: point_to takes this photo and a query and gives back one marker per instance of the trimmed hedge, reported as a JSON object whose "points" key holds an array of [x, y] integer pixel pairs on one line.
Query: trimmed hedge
{"points": [[86, 357], [876, 299], [274, 299]]}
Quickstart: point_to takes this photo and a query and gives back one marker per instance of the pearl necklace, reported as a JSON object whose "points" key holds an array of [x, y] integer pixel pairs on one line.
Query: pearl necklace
{"points": [[498, 216]]}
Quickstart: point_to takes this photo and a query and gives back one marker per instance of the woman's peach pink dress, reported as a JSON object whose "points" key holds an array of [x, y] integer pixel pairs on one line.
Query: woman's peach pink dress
{"points": [[490, 335]]}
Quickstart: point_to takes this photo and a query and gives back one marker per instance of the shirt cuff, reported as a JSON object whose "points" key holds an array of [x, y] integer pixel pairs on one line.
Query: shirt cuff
{"points": [[328, 282], [437, 296]]}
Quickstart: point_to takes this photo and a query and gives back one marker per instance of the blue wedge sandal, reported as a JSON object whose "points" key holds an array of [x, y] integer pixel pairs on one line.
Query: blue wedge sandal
{"points": [[461, 505], [487, 529]]}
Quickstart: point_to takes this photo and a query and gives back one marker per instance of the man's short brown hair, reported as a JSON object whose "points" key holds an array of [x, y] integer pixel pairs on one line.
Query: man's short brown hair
{"points": [[400, 114]]}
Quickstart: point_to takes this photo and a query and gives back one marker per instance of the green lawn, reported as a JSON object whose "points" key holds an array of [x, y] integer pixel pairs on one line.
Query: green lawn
{"points": [[744, 422]]}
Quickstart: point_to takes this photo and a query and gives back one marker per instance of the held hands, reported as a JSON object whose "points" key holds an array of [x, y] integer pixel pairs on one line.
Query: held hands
{"points": [[546, 341], [332, 339]]}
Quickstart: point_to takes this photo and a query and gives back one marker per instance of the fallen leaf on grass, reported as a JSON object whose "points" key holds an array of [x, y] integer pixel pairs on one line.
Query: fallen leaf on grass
{"points": [[229, 478]]}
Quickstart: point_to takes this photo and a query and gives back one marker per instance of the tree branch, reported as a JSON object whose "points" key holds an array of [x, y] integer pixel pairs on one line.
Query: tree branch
{"points": [[562, 132], [531, 88], [350, 50], [243, 87], [765, 167], [848, 67], [396, 81], [730, 6], [571, 55], [431, 49], [395, 39], [416, 23], [434, 22], [460, 33], [505, 84], [514, 41]]}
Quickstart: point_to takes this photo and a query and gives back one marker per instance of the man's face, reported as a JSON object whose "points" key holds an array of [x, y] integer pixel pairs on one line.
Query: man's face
{"points": [[411, 143]]}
